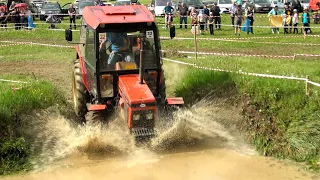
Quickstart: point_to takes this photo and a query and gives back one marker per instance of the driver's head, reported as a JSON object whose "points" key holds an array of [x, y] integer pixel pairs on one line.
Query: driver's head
{"points": [[182, 4], [168, 3]]}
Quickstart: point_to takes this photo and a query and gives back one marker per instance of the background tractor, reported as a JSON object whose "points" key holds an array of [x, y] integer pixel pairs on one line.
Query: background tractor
{"points": [[137, 86]]}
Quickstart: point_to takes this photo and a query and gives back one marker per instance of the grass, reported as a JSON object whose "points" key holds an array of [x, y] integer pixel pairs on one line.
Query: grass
{"points": [[14, 149], [279, 119]]}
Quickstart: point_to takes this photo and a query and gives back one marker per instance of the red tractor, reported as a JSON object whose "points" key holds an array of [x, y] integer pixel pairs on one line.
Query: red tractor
{"points": [[119, 64]]}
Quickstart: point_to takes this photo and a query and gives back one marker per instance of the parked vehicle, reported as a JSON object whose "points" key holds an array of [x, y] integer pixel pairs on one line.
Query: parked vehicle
{"points": [[157, 6], [225, 6], [259, 6], [83, 4], [126, 2], [197, 4], [53, 8], [296, 4], [39, 3]]}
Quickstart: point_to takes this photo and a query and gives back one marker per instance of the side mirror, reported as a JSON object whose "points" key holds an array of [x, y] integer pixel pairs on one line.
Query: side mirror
{"points": [[172, 32], [68, 33]]}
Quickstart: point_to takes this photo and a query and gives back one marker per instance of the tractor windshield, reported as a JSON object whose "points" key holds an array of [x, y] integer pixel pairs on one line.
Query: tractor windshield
{"points": [[125, 47], [120, 51]]}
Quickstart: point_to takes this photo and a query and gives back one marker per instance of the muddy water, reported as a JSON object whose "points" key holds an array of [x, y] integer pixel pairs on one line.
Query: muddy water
{"points": [[200, 142]]}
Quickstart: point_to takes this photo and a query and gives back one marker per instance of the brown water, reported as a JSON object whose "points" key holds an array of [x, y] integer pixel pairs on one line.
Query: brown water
{"points": [[200, 142]]}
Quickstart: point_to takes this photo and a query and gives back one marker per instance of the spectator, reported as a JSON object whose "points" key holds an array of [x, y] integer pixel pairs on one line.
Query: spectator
{"points": [[202, 22], [305, 21], [239, 2], [285, 24], [167, 11], [216, 14], [193, 16], [232, 10], [206, 15], [211, 20], [23, 17], [289, 13], [3, 18], [72, 16], [183, 12], [295, 21], [12, 8], [238, 18], [275, 11], [16, 18], [250, 17]]}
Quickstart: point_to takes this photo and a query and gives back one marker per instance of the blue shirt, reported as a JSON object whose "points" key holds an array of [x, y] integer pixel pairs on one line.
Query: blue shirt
{"points": [[117, 40], [305, 18], [168, 9]]}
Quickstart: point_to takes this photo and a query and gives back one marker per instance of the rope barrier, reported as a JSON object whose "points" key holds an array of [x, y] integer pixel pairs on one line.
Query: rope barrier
{"points": [[244, 73]]}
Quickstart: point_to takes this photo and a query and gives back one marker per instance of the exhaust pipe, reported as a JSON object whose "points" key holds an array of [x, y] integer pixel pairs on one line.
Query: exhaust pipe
{"points": [[142, 53]]}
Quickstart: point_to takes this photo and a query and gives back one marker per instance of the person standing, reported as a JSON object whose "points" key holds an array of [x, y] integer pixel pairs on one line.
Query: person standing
{"points": [[275, 11], [305, 21], [250, 17], [201, 20], [216, 14], [238, 19], [232, 10], [167, 11], [206, 15], [72, 16], [289, 13], [3, 18], [295, 21], [211, 20], [183, 12]]}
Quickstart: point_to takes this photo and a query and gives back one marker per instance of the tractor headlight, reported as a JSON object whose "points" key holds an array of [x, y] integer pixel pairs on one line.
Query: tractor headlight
{"points": [[136, 117], [149, 116]]}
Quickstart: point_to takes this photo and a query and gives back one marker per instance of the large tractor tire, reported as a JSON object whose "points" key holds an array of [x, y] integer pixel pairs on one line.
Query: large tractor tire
{"points": [[80, 93]]}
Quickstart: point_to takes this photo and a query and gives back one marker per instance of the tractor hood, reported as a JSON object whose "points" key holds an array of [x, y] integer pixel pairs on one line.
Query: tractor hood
{"points": [[134, 93]]}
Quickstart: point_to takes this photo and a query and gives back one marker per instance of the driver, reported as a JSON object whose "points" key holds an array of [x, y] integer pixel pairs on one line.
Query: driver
{"points": [[119, 48]]}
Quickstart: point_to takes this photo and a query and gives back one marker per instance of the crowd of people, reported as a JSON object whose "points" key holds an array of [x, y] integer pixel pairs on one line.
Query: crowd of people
{"points": [[241, 20], [19, 15]]}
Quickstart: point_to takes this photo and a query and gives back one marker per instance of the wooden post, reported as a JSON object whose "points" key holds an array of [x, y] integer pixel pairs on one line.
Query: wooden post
{"points": [[195, 41], [307, 89]]}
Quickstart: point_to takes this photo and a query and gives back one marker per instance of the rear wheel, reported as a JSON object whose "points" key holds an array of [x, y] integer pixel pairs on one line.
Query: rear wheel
{"points": [[80, 93]]}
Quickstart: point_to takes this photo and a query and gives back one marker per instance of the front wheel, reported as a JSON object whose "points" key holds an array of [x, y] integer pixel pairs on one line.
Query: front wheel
{"points": [[80, 93]]}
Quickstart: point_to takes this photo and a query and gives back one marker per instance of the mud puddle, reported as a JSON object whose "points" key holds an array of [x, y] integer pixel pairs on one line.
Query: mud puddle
{"points": [[200, 142]]}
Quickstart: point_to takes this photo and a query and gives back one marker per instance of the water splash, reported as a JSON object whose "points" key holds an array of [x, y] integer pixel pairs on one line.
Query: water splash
{"points": [[206, 124]]}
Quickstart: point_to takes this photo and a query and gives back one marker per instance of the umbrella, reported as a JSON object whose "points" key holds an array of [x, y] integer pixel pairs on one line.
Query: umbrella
{"points": [[21, 5]]}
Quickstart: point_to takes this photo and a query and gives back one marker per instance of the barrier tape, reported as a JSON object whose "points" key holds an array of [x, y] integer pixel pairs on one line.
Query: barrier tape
{"points": [[40, 44], [6, 45], [237, 54], [254, 26], [12, 81], [238, 40], [183, 52], [244, 73], [244, 38], [175, 15]]}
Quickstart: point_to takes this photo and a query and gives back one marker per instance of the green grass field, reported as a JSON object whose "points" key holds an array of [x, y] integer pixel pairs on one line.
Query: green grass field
{"points": [[283, 121]]}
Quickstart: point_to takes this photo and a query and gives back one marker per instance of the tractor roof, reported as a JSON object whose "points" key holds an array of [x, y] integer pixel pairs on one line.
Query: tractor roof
{"points": [[96, 15]]}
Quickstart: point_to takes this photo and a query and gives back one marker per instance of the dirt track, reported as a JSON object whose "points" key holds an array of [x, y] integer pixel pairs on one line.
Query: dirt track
{"points": [[206, 159]]}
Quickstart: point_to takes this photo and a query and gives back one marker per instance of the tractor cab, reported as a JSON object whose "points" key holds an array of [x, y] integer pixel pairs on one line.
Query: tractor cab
{"points": [[119, 64]]}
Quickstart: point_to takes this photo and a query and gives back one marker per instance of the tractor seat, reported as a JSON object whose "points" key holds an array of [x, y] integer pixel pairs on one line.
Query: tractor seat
{"points": [[126, 65]]}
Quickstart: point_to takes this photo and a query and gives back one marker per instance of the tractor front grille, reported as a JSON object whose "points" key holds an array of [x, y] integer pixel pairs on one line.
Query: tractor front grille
{"points": [[142, 132]]}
